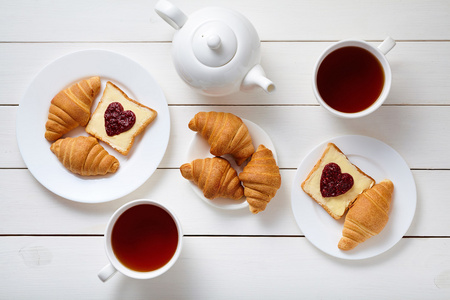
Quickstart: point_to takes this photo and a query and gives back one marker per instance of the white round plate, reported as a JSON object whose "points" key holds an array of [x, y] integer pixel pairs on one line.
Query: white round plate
{"points": [[379, 161], [199, 148], [135, 168]]}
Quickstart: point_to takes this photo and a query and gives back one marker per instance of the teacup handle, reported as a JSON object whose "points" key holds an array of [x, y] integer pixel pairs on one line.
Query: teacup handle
{"points": [[171, 14], [386, 45], [106, 272]]}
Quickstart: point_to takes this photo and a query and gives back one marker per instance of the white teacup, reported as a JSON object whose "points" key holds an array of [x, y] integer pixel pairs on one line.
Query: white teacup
{"points": [[379, 53], [162, 220]]}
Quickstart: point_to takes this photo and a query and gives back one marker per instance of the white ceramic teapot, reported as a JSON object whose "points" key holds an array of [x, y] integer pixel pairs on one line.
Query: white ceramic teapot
{"points": [[215, 50]]}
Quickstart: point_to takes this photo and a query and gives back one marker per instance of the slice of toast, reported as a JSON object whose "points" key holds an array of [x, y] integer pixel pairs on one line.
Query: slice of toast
{"points": [[123, 141], [338, 205]]}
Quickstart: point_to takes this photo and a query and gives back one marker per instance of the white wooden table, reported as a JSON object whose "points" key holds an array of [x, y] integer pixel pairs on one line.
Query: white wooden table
{"points": [[52, 248]]}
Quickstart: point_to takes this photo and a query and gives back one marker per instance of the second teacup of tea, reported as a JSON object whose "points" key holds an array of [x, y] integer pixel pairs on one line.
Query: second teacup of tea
{"points": [[352, 78], [143, 240]]}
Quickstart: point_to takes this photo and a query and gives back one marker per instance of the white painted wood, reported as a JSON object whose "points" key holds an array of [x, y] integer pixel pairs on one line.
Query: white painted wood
{"points": [[166, 186], [232, 255], [420, 71], [418, 133], [85, 20], [226, 268], [25, 203]]}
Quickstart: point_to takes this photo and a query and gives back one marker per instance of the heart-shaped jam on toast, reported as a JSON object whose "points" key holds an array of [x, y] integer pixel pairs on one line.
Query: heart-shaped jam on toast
{"points": [[333, 182], [117, 120]]}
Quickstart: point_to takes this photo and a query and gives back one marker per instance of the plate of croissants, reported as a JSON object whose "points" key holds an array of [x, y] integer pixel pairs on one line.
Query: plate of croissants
{"points": [[353, 197], [93, 126], [231, 162]]}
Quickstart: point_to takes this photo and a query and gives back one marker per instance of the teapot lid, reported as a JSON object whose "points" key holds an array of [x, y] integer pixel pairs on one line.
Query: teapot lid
{"points": [[214, 43]]}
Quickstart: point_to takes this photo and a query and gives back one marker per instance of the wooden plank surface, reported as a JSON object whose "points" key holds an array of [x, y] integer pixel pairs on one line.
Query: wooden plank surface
{"points": [[226, 268], [25, 203], [85, 20], [289, 65], [52, 248], [296, 130]]}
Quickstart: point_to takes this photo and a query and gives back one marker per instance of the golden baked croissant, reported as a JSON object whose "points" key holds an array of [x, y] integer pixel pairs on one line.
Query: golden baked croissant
{"points": [[71, 108], [368, 215], [261, 179], [226, 134], [215, 177], [84, 155]]}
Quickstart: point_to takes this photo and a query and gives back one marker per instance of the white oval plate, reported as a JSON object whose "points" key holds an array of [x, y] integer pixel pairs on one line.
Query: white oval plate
{"points": [[135, 168], [199, 148], [379, 161]]}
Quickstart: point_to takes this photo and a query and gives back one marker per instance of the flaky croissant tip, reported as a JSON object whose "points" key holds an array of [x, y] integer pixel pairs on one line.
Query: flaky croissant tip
{"points": [[186, 171], [192, 126], [254, 210], [346, 244], [114, 167]]}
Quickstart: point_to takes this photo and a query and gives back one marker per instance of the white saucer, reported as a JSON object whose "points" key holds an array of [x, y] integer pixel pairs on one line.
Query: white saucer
{"points": [[379, 161], [199, 148]]}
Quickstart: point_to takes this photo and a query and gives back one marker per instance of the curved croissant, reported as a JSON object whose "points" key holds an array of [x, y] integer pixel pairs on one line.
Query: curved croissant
{"points": [[226, 134], [368, 215], [261, 179], [215, 177], [85, 156], [71, 108]]}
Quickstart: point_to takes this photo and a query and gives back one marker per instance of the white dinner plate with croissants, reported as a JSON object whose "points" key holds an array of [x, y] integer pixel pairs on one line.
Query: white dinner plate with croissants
{"points": [[135, 167], [379, 161], [199, 148]]}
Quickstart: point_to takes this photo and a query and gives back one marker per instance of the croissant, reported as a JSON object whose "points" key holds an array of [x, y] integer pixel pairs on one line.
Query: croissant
{"points": [[261, 179], [226, 134], [84, 155], [71, 108], [368, 215], [215, 177]]}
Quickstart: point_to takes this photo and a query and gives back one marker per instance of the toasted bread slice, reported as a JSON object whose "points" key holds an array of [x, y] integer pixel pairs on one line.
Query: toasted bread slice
{"points": [[338, 205], [123, 141]]}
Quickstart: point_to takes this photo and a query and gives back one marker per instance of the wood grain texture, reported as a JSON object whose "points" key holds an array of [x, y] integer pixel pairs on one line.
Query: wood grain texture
{"points": [[225, 268], [25, 203], [52, 248], [292, 132], [104, 20], [288, 64]]}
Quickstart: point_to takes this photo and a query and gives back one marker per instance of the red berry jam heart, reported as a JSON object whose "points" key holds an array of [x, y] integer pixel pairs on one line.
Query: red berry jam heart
{"points": [[334, 183], [117, 120]]}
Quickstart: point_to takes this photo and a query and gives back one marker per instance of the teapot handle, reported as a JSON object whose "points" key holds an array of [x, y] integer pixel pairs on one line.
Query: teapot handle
{"points": [[171, 14]]}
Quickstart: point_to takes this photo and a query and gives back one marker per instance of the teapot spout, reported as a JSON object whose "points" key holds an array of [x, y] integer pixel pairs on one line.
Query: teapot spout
{"points": [[257, 77]]}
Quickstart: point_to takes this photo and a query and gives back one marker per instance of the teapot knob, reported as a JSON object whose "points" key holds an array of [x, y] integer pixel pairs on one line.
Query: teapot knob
{"points": [[214, 44], [214, 41]]}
